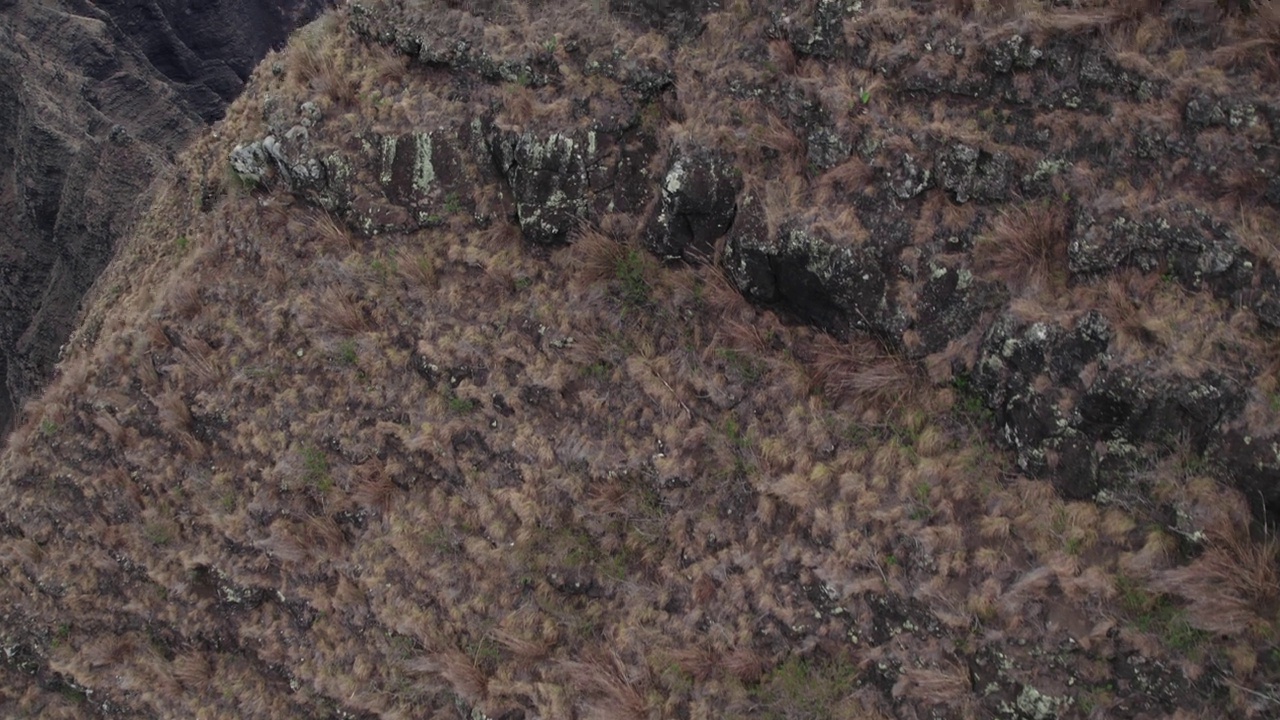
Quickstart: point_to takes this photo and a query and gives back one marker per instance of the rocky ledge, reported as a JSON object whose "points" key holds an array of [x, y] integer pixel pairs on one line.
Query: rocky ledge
{"points": [[1048, 224]]}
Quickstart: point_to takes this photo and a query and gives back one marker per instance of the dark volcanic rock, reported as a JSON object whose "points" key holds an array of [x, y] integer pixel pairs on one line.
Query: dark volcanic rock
{"points": [[971, 173], [949, 304], [699, 197], [839, 288], [1079, 432], [1254, 460], [549, 179]]}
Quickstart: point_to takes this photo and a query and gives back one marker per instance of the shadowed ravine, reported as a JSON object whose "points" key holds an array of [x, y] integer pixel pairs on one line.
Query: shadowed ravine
{"points": [[95, 99]]}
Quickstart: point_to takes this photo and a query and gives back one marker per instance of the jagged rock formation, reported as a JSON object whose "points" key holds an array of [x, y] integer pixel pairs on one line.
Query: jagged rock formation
{"points": [[94, 101], [885, 266]]}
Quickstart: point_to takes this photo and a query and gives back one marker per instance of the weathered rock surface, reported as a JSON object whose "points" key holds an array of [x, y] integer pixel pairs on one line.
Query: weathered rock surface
{"points": [[697, 204]]}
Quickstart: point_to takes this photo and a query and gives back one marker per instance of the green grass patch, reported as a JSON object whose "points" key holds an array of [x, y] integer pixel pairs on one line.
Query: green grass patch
{"points": [[48, 428], [808, 689], [629, 272], [747, 368], [460, 405], [347, 354], [315, 469], [1157, 614]]}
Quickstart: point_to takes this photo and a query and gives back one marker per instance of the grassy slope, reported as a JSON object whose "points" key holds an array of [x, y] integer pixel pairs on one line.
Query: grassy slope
{"points": [[274, 478]]}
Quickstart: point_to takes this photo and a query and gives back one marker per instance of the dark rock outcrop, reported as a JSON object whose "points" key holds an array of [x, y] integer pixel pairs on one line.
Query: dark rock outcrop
{"points": [[887, 260], [837, 287], [698, 199]]}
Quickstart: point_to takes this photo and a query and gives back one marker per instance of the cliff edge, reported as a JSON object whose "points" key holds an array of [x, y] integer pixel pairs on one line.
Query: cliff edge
{"points": [[808, 360]]}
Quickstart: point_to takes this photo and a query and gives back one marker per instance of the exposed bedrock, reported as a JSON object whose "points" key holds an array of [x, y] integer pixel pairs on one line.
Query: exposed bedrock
{"points": [[1066, 391]]}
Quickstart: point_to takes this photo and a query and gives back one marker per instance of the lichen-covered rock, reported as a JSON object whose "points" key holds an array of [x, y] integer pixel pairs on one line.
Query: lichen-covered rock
{"points": [[1199, 251], [1136, 407], [453, 40], [823, 35], [1266, 298], [697, 202], [1252, 459], [251, 163], [1099, 245], [839, 288], [826, 149], [746, 259], [431, 174], [949, 303], [1014, 52], [972, 173], [288, 156], [1035, 705], [1029, 419], [549, 180], [907, 178], [1083, 434]]}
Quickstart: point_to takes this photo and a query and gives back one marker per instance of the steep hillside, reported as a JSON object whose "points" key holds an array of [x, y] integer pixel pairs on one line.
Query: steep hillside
{"points": [[788, 360], [95, 99]]}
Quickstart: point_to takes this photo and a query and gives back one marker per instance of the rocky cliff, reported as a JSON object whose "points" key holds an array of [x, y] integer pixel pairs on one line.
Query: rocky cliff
{"points": [[802, 359], [94, 100]]}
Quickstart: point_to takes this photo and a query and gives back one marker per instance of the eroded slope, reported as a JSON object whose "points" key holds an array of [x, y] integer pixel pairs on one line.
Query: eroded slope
{"points": [[390, 410]]}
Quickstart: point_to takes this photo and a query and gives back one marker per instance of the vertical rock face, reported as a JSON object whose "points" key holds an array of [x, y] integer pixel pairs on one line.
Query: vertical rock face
{"points": [[94, 99]]}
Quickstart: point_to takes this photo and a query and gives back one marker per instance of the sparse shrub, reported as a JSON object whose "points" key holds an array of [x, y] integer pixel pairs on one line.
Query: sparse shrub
{"points": [[748, 369], [808, 689], [1157, 614], [347, 354], [629, 271], [1233, 586], [158, 533], [460, 405], [48, 428]]}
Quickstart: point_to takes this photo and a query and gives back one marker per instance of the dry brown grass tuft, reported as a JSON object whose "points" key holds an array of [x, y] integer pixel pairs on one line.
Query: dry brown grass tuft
{"points": [[456, 668], [331, 234], [948, 685], [701, 664], [1027, 247], [1232, 587], [619, 696], [192, 670], [527, 650], [375, 491], [1258, 44], [342, 312], [744, 664], [860, 371], [597, 255], [318, 60]]}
